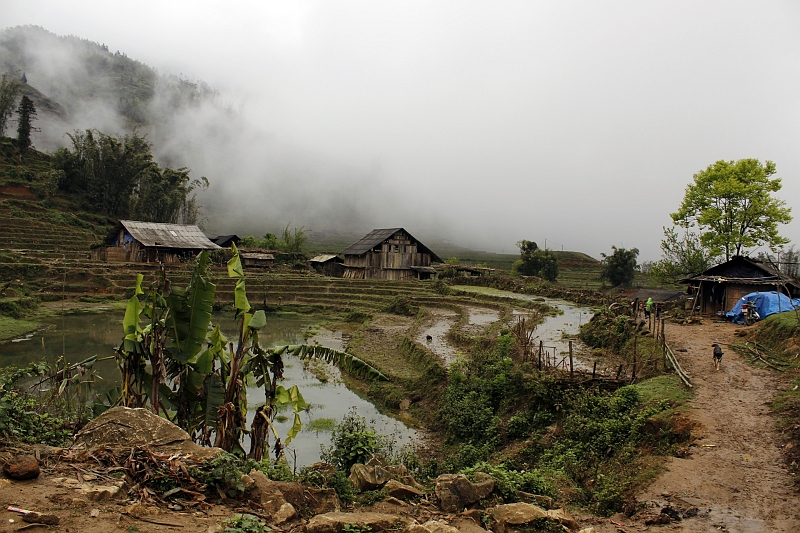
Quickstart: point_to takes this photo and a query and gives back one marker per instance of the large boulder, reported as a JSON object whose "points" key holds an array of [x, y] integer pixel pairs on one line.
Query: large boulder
{"points": [[401, 491], [273, 495], [334, 522], [515, 516], [123, 427], [455, 491], [431, 526], [376, 472]]}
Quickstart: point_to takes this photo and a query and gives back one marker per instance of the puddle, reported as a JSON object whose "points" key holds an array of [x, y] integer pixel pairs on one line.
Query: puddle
{"points": [[434, 335]]}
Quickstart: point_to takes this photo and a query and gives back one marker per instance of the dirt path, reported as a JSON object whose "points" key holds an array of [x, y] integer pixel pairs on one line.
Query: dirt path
{"points": [[735, 474]]}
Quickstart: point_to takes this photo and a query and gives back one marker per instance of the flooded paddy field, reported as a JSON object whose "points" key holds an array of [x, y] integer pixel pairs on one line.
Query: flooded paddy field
{"points": [[79, 336]]}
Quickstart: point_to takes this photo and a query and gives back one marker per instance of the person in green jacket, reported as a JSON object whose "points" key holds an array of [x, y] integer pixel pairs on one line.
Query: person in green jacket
{"points": [[648, 307]]}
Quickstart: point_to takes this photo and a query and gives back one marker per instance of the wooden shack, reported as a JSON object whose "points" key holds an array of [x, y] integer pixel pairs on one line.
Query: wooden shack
{"points": [[150, 242], [720, 287], [391, 254], [328, 265], [256, 259]]}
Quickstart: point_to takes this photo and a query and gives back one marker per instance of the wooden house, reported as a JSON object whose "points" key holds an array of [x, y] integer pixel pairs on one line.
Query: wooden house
{"points": [[720, 287], [328, 265], [150, 242], [391, 254], [255, 259]]}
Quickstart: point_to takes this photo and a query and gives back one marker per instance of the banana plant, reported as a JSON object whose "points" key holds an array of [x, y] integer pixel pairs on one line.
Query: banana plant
{"points": [[197, 377]]}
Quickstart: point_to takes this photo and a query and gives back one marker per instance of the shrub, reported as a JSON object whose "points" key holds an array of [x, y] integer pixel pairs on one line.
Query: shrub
{"points": [[354, 440]]}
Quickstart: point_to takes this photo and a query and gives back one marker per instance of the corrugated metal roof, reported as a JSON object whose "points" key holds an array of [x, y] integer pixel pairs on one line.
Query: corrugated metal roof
{"points": [[323, 258], [155, 234], [378, 236]]}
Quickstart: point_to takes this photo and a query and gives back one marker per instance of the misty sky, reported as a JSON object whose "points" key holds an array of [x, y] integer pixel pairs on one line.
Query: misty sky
{"points": [[482, 122]]}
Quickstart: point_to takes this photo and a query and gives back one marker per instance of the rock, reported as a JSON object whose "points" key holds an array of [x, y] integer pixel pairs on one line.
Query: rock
{"points": [[467, 525], [405, 404], [272, 495], [284, 514], [398, 490], [22, 467], [334, 522], [587, 530], [91, 492], [432, 526], [39, 518], [247, 482], [515, 514], [455, 491], [123, 427], [365, 477], [326, 469], [319, 501], [563, 516]]}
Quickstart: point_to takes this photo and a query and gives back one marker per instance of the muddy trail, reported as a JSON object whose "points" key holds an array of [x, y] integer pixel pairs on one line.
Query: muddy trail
{"points": [[735, 475]]}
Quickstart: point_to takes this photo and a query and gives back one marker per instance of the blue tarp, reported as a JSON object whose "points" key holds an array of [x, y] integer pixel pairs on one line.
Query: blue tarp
{"points": [[766, 303]]}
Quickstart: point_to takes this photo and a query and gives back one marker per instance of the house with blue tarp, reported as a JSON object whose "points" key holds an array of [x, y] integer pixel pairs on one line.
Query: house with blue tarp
{"points": [[717, 290]]}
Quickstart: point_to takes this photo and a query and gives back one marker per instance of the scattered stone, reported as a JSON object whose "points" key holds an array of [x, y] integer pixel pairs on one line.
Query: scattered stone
{"points": [[93, 493], [587, 530], [247, 482], [515, 514], [672, 513], [94, 513], [376, 472], [431, 526], [123, 427], [563, 516], [398, 490], [405, 404], [284, 514], [455, 491], [325, 469], [39, 518], [467, 525], [22, 467], [334, 522]]}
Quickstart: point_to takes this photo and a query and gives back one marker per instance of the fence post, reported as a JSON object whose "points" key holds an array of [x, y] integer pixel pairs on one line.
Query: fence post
{"points": [[664, 344], [540, 355], [594, 370], [571, 368]]}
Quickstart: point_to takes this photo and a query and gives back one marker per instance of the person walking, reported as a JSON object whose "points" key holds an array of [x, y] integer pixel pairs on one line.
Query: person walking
{"points": [[648, 308], [717, 356]]}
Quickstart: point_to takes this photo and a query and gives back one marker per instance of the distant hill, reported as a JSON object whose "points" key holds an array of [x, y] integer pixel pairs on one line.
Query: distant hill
{"points": [[79, 84]]}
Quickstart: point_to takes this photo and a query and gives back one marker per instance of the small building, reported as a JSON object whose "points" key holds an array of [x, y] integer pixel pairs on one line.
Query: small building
{"points": [[256, 259], [390, 254], [720, 287], [328, 265], [150, 242], [225, 241]]}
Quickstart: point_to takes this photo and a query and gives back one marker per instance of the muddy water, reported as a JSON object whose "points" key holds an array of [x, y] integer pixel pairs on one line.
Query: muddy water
{"points": [[80, 336], [555, 331], [434, 334]]}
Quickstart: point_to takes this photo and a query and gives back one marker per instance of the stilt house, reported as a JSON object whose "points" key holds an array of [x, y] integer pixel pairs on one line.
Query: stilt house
{"points": [[391, 254], [149, 242], [720, 287]]}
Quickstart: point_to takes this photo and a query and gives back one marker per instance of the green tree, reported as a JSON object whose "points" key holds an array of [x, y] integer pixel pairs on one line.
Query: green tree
{"points": [[293, 241], [119, 178], [533, 261], [9, 89], [683, 256], [619, 267], [732, 205], [26, 114]]}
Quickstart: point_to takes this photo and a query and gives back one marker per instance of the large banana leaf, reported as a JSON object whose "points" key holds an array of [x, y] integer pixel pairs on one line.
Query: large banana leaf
{"points": [[345, 361], [130, 323], [190, 315], [235, 270], [215, 397]]}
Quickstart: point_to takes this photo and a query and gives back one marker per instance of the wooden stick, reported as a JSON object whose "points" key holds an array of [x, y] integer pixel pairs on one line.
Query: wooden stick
{"points": [[571, 367]]}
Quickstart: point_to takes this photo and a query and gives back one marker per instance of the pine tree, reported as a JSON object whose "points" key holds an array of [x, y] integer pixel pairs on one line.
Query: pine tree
{"points": [[26, 113]]}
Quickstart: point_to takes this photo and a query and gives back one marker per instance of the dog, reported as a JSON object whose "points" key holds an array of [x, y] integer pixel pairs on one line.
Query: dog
{"points": [[428, 338]]}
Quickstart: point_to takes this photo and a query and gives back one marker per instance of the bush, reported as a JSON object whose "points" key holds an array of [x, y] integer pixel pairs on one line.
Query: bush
{"points": [[508, 482], [401, 305], [244, 523], [354, 440]]}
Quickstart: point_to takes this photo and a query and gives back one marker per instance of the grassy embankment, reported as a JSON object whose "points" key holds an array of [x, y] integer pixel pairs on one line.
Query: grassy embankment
{"points": [[775, 344]]}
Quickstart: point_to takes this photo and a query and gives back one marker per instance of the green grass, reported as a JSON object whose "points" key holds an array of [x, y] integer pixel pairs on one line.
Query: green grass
{"points": [[663, 388], [321, 425], [11, 328]]}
